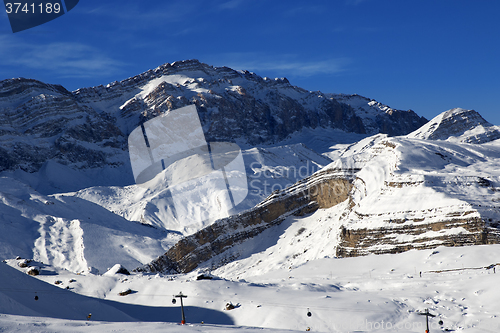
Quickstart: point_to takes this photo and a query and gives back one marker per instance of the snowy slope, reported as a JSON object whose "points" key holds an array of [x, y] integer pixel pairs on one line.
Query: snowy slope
{"points": [[72, 233], [287, 270], [365, 294], [407, 193], [78, 214], [267, 169], [458, 125]]}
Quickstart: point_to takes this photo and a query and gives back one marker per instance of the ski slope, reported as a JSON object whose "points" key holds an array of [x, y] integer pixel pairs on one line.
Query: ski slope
{"points": [[366, 294]]}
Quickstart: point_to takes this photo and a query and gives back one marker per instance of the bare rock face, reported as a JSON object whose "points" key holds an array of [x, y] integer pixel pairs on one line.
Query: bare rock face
{"points": [[322, 190], [358, 242], [420, 204], [40, 122]]}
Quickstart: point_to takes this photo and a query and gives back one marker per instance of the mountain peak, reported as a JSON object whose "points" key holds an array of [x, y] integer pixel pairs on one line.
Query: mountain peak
{"points": [[458, 125], [88, 127]]}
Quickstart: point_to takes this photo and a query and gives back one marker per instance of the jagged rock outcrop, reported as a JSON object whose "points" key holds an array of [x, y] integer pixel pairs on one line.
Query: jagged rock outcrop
{"points": [[380, 118], [427, 195], [322, 190]]}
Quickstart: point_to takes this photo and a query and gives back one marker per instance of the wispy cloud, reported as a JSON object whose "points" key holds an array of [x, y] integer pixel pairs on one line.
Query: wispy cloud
{"points": [[137, 12], [63, 60], [301, 10], [283, 65], [140, 16], [231, 4], [355, 2]]}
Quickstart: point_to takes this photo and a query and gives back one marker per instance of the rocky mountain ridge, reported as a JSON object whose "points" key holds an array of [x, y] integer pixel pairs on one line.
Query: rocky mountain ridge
{"points": [[88, 128]]}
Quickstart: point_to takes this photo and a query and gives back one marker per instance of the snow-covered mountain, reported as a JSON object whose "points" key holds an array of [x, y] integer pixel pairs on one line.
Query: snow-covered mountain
{"points": [[330, 176], [87, 129], [72, 147], [458, 125], [59, 141], [404, 194], [267, 170]]}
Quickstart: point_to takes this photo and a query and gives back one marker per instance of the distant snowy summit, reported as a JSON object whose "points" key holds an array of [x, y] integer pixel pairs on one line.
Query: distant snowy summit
{"points": [[458, 125], [88, 128]]}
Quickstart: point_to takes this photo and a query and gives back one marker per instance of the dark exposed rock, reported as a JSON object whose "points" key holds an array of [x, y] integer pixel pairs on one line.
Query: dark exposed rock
{"points": [[33, 271], [399, 122], [125, 292]]}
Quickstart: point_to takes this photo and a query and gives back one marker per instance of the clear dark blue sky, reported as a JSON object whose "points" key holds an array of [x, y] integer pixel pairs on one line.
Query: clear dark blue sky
{"points": [[428, 56]]}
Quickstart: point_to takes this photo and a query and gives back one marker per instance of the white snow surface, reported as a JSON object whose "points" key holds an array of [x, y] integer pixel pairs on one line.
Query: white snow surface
{"points": [[396, 179], [267, 169], [277, 277], [72, 233], [381, 293]]}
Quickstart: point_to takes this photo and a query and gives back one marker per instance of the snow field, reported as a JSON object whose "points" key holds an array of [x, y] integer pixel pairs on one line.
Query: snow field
{"points": [[364, 294]]}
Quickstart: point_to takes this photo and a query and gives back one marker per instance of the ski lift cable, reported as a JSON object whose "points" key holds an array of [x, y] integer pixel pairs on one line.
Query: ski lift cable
{"points": [[281, 305]]}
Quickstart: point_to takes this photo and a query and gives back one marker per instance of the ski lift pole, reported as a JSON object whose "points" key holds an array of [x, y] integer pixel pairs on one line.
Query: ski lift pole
{"points": [[427, 314], [181, 296]]}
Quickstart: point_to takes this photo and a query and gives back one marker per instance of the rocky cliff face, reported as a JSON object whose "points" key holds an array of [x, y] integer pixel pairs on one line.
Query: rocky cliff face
{"points": [[425, 194], [469, 227], [40, 122], [381, 118], [321, 191], [88, 128]]}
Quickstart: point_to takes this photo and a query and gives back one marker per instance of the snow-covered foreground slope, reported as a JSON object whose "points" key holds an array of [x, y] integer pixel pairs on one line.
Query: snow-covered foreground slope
{"points": [[72, 233], [381, 293], [98, 227], [403, 193]]}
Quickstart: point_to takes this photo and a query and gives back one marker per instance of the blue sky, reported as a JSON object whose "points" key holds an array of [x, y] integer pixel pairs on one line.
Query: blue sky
{"points": [[428, 56]]}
